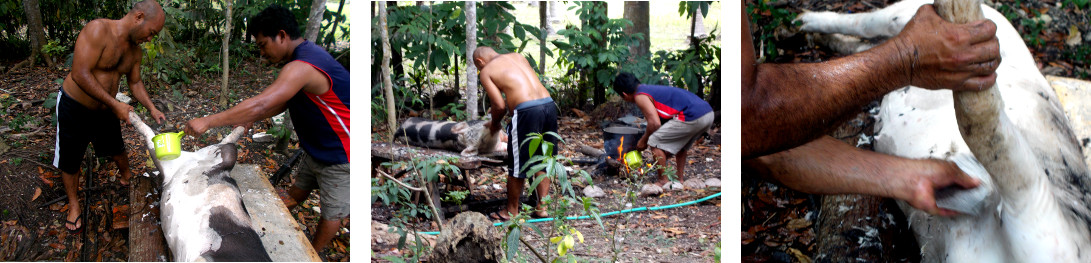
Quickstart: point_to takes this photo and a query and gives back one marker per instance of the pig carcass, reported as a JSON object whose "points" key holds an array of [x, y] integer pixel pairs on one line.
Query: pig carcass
{"points": [[469, 138], [203, 217], [1037, 205]]}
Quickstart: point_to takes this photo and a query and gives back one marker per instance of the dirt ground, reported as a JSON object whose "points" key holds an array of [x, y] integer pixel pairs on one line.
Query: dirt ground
{"points": [[778, 223], [35, 232], [685, 234]]}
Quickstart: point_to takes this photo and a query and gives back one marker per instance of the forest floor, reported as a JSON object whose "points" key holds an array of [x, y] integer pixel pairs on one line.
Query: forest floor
{"points": [[686, 234], [33, 232], [779, 223]]}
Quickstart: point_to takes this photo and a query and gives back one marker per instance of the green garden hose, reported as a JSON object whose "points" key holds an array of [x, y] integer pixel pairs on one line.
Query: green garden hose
{"points": [[645, 208]]}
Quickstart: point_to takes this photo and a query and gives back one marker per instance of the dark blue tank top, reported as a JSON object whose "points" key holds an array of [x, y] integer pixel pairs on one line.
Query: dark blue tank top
{"points": [[322, 120], [677, 103]]}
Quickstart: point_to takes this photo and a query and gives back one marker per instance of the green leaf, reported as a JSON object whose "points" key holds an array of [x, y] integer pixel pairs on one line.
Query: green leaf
{"points": [[561, 45], [513, 242], [519, 33]]}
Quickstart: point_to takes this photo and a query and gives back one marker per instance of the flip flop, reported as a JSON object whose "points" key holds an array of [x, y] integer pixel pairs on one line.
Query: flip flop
{"points": [[78, 230], [496, 215], [539, 214]]}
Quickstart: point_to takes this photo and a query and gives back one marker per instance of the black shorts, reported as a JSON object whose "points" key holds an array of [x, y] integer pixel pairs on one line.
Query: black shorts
{"points": [[536, 116], [77, 126]]}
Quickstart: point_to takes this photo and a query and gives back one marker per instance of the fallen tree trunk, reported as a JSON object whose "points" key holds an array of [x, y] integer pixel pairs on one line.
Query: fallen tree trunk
{"points": [[858, 228]]}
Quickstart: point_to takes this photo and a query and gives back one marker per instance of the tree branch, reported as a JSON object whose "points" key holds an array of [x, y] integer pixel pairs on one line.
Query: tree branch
{"points": [[540, 257]]}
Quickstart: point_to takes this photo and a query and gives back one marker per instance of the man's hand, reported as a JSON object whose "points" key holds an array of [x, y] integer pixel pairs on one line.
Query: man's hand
{"points": [[935, 175], [196, 127], [642, 144], [941, 55], [158, 116], [494, 126], [121, 110]]}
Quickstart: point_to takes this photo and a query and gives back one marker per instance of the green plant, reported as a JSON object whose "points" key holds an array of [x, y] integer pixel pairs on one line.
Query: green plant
{"points": [[1083, 4], [456, 196], [1034, 27], [455, 111], [53, 48], [1009, 11], [767, 19], [378, 111], [16, 161], [594, 50], [280, 130], [716, 252], [393, 194], [558, 204], [695, 68]]}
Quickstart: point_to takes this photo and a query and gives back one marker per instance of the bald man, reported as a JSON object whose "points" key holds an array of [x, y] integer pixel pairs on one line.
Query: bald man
{"points": [[532, 111], [86, 109]]}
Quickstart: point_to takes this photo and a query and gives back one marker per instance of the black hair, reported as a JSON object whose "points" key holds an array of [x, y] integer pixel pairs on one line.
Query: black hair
{"points": [[625, 82], [272, 20]]}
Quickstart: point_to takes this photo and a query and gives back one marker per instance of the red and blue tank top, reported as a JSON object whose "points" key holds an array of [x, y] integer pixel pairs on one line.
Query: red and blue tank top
{"points": [[677, 103], [322, 120]]}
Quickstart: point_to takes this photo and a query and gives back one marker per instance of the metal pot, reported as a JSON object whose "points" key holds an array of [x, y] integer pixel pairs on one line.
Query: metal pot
{"points": [[612, 137]]}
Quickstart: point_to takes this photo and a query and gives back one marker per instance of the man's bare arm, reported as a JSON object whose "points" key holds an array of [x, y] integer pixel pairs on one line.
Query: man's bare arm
{"points": [[498, 107], [273, 100], [136, 85], [829, 166], [88, 50], [650, 114], [786, 105]]}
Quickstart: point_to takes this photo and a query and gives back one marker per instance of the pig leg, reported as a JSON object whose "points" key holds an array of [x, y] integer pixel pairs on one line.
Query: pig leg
{"points": [[234, 135]]}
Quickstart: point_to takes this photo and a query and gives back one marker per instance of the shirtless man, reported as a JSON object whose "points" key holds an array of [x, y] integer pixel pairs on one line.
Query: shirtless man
{"points": [[786, 109], [86, 109], [533, 111]]}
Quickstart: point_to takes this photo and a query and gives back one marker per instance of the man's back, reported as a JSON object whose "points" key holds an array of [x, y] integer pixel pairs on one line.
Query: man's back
{"points": [[512, 74]]}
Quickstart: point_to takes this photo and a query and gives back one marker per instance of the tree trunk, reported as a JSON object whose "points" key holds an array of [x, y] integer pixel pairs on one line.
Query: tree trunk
{"points": [[543, 13], [388, 87], [556, 12], [638, 12], [697, 28], [471, 69], [396, 56], [224, 51], [333, 31], [600, 90], [860, 228], [36, 33], [314, 20]]}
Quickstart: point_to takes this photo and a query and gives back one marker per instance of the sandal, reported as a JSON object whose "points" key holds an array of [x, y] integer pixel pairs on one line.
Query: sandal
{"points": [[539, 214], [79, 229], [497, 215]]}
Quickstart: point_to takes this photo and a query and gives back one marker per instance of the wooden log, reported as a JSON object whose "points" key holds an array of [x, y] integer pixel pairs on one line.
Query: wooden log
{"points": [[598, 153], [146, 241], [591, 151], [858, 228], [281, 234]]}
